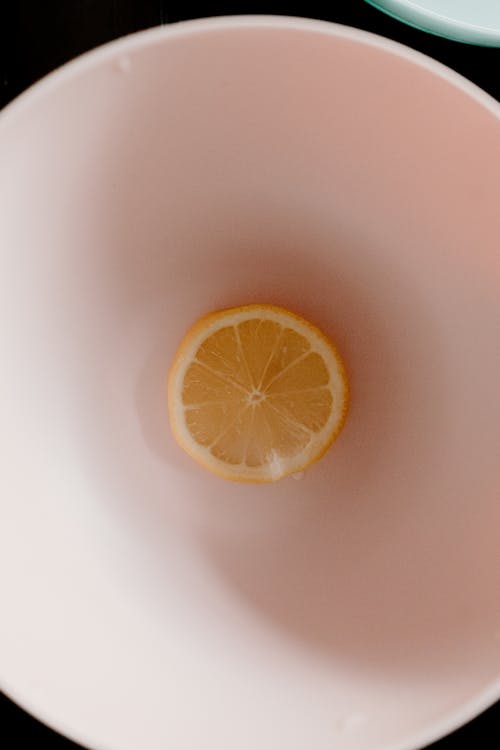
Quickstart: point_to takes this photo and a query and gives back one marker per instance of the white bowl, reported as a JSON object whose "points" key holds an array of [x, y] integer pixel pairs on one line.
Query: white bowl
{"points": [[145, 603]]}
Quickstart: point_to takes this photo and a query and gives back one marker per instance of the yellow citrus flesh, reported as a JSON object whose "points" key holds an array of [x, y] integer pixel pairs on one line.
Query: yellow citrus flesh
{"points": [[256, 393]]}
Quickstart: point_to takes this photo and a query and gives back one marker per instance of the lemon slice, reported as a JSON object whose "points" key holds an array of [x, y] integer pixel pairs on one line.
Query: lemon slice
{"points": [[256, 393]]}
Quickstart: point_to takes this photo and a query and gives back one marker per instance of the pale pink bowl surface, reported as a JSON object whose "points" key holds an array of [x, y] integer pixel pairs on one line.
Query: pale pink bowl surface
{"points": [[145, 603]]}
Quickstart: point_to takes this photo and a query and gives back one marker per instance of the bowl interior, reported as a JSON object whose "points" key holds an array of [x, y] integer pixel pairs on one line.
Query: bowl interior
{"points": [[217, 164]]}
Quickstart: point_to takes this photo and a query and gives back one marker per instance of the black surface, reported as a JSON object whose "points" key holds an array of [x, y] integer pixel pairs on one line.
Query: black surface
{"points": [[37, 36]]}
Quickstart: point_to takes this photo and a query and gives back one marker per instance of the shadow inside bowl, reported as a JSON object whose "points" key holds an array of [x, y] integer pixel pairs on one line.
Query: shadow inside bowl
{"points": [[372, 560], [362, 562]]}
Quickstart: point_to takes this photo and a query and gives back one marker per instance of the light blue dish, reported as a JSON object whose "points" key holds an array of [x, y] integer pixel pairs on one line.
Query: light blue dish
{"points": [[472, 21]]}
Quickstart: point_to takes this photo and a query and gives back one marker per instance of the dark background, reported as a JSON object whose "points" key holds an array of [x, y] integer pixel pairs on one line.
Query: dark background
{"points": [[37, 36]]}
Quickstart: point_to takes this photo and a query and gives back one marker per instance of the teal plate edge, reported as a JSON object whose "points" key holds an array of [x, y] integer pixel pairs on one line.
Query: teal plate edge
{"points": [[444, 27]]}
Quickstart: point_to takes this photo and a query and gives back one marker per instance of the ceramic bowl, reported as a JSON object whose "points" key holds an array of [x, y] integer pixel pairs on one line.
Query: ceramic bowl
{"points": [[471, 21], [145, 602]]}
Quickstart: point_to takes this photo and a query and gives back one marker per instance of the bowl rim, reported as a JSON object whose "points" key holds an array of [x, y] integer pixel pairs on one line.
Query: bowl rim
{"points": [[111, 51], [434, 23], [157, 34]]}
